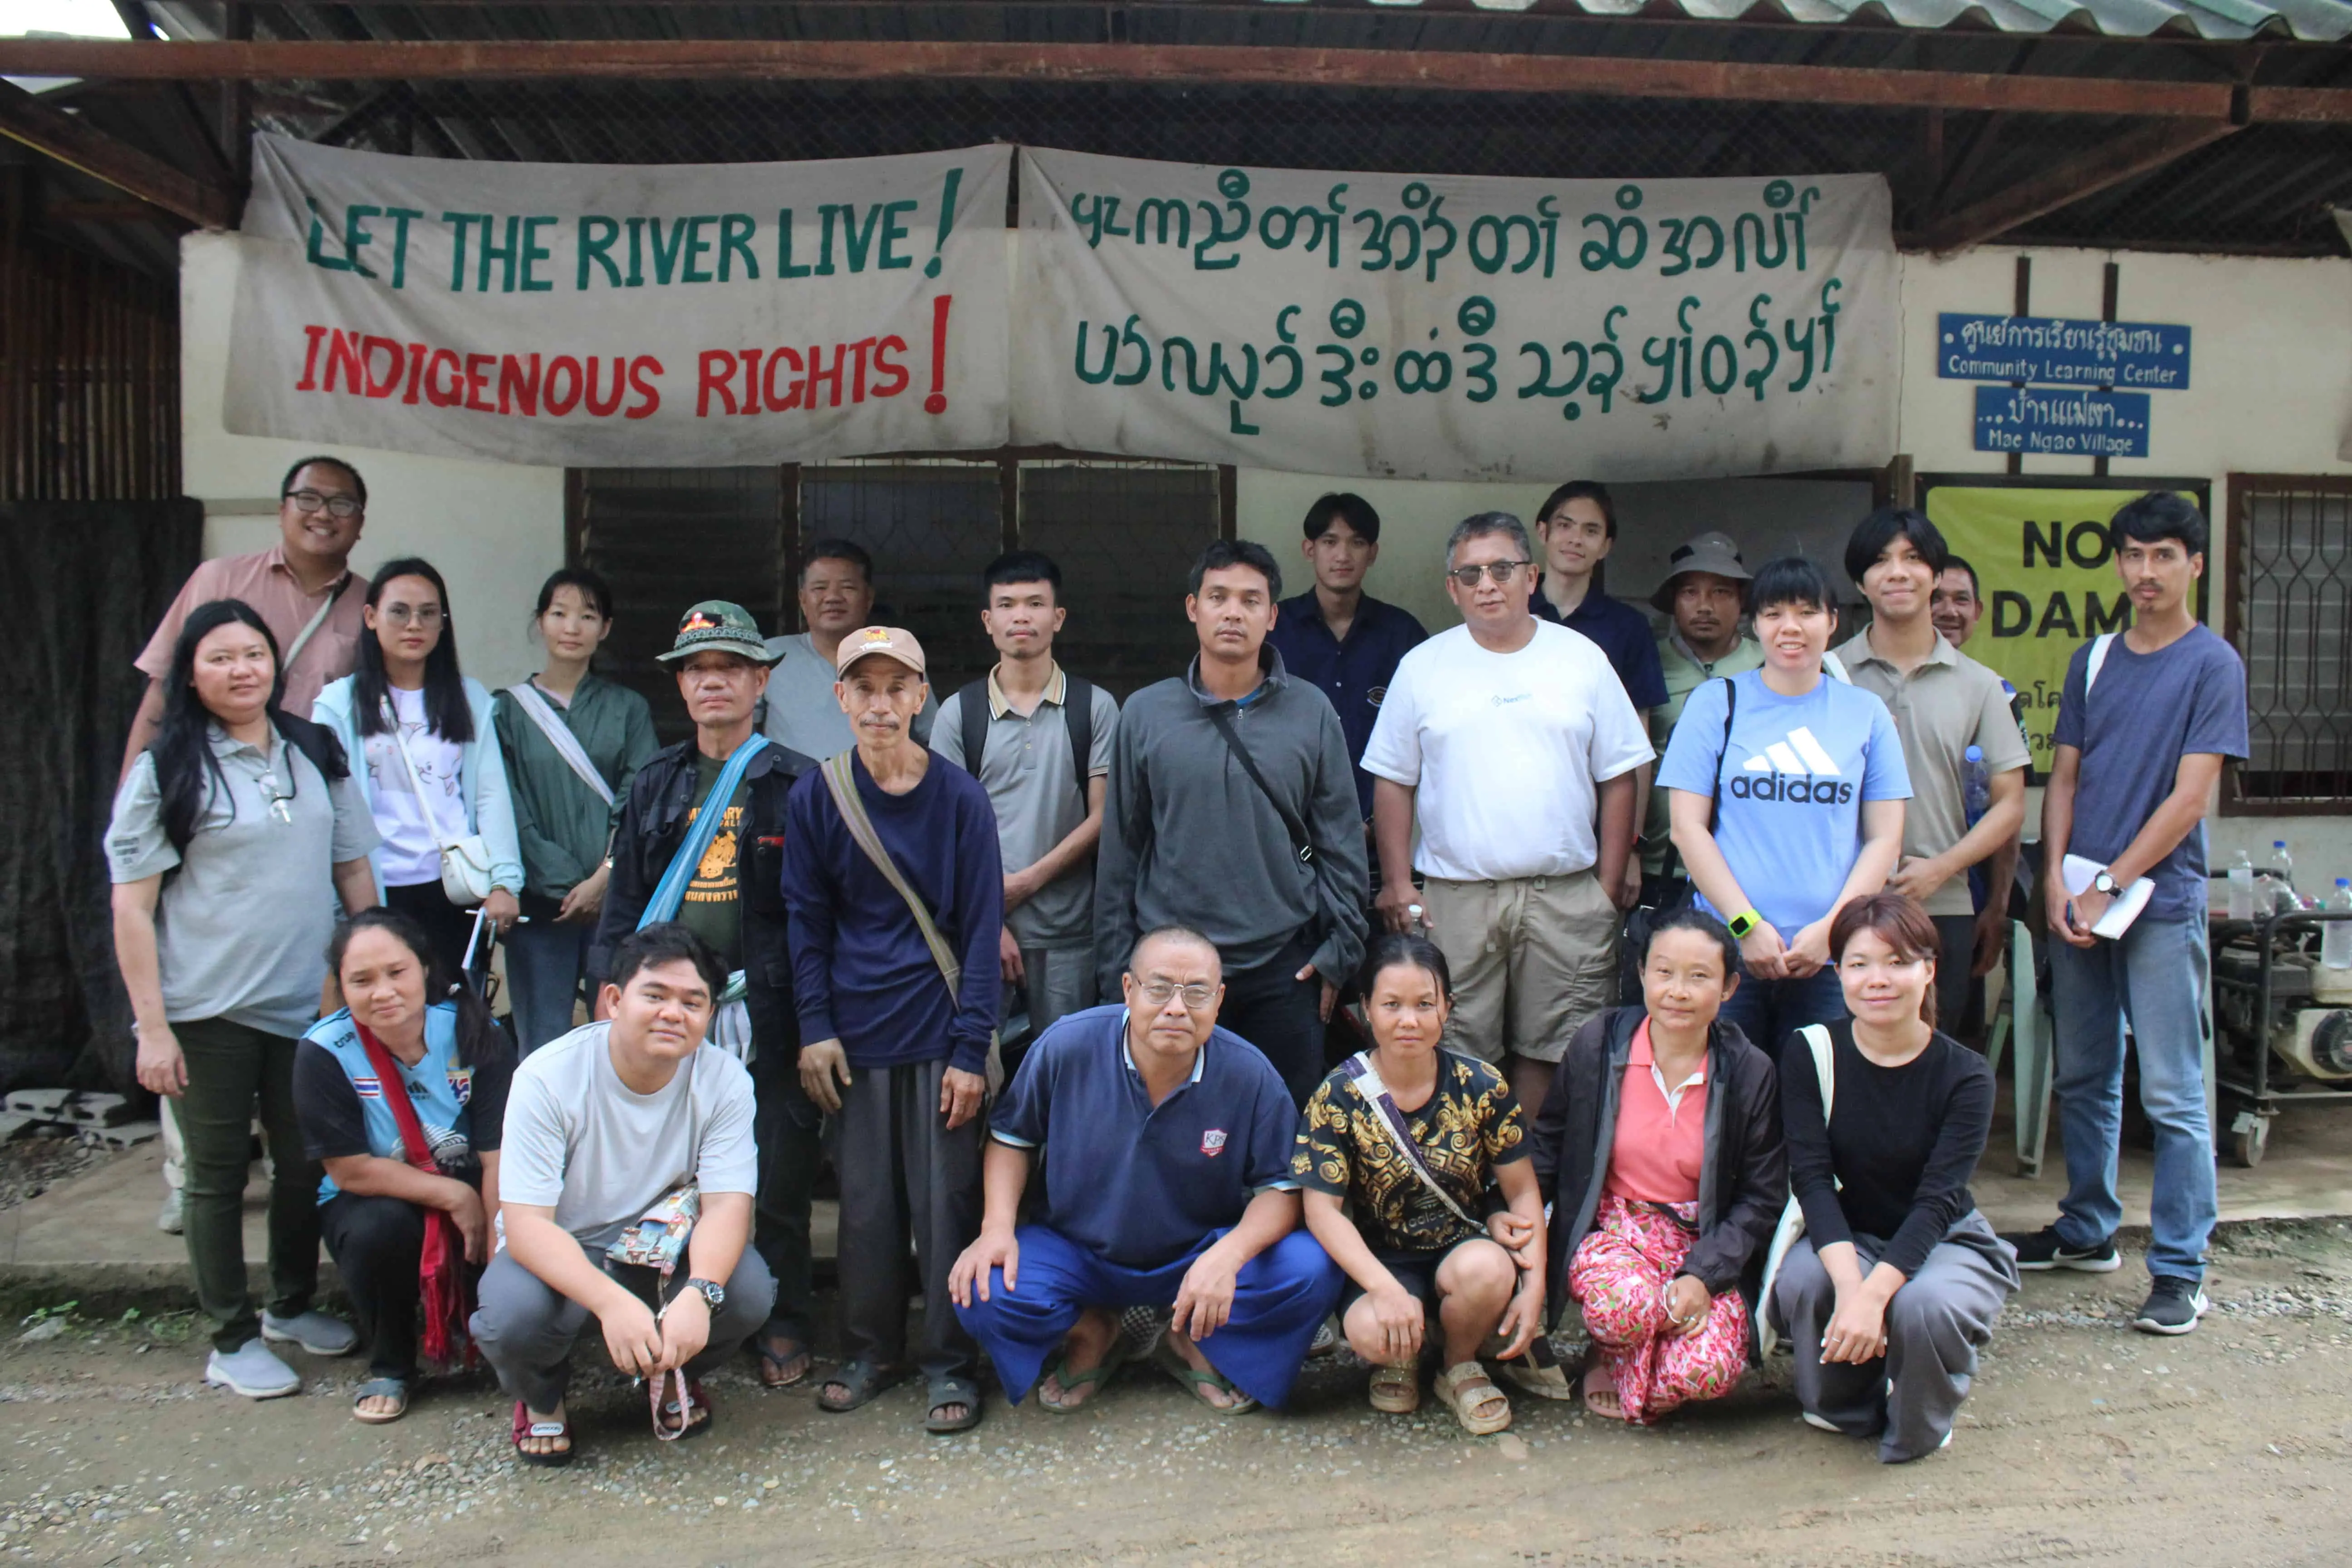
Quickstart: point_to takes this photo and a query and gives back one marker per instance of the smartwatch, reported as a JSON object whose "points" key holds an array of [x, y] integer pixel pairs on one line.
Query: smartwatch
{"points": [[1744, 923], [716, 1295]]}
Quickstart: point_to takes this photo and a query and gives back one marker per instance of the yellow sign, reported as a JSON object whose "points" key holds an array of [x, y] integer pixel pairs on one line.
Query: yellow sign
{"points": [[2045, 566]]}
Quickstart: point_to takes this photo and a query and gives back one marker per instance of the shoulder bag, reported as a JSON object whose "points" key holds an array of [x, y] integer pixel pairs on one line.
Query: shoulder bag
{"points": [[464, 862], [559, 736], [1792, 1217], [842, 784]]}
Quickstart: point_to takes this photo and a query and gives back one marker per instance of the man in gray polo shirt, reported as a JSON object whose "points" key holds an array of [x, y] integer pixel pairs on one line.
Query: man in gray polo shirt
{"points": [[1945, 704], [837, 597], [1049, 803]]}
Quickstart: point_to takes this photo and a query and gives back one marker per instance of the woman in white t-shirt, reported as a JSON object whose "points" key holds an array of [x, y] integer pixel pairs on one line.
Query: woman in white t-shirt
{"points": [[407, 696], [1788, 788]]}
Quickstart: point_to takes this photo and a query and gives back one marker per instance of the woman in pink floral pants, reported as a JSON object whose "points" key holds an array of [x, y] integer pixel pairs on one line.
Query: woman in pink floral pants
{"points": [[1620, 1275]]}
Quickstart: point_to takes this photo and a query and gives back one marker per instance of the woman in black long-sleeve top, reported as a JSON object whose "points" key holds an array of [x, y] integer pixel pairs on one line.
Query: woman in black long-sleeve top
{"points": [[1895, 1286], [1660, 1142]]}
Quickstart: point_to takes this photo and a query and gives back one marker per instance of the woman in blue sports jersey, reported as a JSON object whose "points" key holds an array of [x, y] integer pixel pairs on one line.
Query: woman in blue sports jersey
{"points": [[1789, 783], [380, 1203]]}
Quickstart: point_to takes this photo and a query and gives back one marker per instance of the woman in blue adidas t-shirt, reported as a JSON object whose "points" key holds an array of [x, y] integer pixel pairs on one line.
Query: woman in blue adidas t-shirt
{"points": [[454, 1062], [1798, 811]]}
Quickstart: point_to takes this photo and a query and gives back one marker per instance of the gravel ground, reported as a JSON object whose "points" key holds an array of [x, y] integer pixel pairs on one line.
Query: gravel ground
{"points": [[2085, 1442], [29, 1166]]}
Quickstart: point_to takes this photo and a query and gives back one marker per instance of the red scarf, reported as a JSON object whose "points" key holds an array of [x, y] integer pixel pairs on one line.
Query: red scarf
{"points": [[444, 1287]]}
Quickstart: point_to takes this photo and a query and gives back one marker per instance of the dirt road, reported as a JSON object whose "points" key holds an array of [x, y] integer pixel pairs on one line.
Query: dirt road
{"points": [[2085, 1442]]}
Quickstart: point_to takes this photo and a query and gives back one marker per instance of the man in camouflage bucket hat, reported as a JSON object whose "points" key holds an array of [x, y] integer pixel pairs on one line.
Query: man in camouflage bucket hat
{"points": [[733, 899]]}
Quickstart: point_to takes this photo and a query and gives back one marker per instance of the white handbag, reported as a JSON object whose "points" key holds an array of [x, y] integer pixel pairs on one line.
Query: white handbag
{"points": [[464, 862], [1792, 1218]]}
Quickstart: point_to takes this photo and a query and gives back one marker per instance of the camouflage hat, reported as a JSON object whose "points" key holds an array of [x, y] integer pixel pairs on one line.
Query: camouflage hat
{"points": [[715, 625]]}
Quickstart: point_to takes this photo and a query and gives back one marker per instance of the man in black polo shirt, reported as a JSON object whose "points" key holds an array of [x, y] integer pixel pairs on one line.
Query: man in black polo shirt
{"points": [[1167, 1144], [1339, 637]]}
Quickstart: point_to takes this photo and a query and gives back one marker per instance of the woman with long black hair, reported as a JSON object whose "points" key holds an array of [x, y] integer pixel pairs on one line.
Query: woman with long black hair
{"points": [[407, 1219], [433, 773], [233, 835]]}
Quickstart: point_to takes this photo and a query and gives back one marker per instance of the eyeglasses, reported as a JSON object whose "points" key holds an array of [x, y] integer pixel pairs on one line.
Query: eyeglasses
{"points": [[336, 506], [1502, 572], [1157, 992], [408, 614]]}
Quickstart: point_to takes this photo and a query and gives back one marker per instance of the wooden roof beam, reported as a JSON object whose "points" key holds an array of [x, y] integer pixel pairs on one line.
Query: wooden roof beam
{"points": [[2122, 158], [1405, 70], [50, 130]]}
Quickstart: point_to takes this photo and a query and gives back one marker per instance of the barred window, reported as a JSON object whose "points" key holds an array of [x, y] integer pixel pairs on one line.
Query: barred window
{"points": [[2290, 618]]}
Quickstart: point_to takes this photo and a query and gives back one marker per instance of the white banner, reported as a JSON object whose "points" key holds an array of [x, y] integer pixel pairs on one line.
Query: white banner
{"points": [[1446, 327], [640, 314]]}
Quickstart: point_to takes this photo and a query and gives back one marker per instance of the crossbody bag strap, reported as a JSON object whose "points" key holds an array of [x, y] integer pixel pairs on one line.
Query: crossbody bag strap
{"points": [[559, 734], [843, 785], [2100, 647], [417, 780], [318, 618], [1221, 715], [1731, 706], [413, 1146], [670, 891], [1367, 1079]]}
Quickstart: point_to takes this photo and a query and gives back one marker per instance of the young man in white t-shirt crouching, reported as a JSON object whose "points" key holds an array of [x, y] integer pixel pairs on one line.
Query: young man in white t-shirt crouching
{"points": [[1516, 743], [602, 1125]]}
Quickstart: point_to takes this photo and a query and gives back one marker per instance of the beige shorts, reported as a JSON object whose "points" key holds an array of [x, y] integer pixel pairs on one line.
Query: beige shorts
{"points": [[1533, 958]]}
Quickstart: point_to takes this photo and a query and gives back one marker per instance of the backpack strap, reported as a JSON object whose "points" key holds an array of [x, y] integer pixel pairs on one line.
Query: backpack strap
{"points": [[1078, 719], [2099, 647], [1730, 708], [972, 716]]}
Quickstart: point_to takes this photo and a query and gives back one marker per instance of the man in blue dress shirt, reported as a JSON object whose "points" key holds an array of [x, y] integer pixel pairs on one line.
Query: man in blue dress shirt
{"points": [[1167, 1145]]}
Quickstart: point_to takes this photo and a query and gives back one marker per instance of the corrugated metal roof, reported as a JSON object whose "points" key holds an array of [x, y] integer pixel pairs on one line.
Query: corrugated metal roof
{"points": [[2232, 21]]}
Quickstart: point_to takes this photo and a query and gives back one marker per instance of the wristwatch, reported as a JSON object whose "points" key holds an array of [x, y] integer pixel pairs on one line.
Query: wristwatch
{"points": [[1744, 923], [2103, 883], [714, 1294]]}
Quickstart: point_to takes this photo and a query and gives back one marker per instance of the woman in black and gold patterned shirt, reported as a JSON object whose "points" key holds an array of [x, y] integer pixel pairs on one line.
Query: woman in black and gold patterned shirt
{"points": [[1417, 1238]]}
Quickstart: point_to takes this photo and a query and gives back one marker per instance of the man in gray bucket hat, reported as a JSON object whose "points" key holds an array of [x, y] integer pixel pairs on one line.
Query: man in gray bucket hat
{"points": [[1702, 597]]}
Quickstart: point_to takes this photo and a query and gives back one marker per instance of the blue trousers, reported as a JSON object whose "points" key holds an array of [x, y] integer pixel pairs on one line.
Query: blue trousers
{"points": [[1279, 1297], [2155, 977], [543, 965], [1769, 1011]]}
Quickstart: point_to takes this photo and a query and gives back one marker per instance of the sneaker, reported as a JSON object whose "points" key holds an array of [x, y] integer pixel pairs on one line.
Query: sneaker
{"points": [[314, 1332], [251, 1370], [2173, 1307], [1820, 1423], [2041, 1250], [168, 1218]]}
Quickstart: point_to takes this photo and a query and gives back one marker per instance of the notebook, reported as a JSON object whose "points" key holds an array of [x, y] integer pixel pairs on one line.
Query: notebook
{"points": [[2078, 872]]}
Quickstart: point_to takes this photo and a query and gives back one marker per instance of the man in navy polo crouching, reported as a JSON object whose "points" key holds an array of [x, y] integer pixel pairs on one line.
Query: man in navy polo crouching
{"points": [[1167, 1144]]}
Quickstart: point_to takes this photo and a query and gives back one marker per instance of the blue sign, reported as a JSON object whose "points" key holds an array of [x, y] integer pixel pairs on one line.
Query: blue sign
{"points": [[2071, 423], [2055, 350]]}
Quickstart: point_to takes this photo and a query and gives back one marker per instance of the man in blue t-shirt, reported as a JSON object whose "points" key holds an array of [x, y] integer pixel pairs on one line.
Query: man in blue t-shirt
{"points": [[2145, 720], [1338, 639], [1578, 525], [1167, 1144]]}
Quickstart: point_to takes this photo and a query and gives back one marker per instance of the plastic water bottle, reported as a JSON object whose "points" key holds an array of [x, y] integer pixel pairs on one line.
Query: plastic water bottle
{"points": [[2336, 946], [1976, 784], [2241, 887], [2281, 872]]}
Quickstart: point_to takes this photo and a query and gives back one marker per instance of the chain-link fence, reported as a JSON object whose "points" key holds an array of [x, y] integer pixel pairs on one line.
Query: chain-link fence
{"points": [[2265, 189]]}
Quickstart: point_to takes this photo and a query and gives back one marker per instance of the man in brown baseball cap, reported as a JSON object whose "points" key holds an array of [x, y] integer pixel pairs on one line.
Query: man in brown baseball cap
{"points": [[895, 891]]}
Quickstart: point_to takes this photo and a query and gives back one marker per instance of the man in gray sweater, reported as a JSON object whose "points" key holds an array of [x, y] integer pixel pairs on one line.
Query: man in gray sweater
{"points": [[1271, 868]]}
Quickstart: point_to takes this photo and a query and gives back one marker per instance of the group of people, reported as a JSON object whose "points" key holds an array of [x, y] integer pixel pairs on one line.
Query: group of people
{"points": [[1353, 983]]}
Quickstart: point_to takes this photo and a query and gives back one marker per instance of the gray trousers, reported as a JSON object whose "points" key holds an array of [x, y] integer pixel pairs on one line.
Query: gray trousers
{"points": [[905, 1178], [526, 1329], [1061, 982], [1934, 1326]]}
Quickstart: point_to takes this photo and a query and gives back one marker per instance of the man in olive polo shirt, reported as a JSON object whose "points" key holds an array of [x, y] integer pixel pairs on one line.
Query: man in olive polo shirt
{"points": [[1945, 704], [1701, 598]]}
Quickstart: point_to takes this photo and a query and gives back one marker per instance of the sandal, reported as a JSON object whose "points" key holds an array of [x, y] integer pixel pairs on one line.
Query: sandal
{"points": [[1396, 1388], [1466, 1390], [696, 1415], [525, 1427], [943, 1392], [1595, 1368], [1539, 1373], [862, 1381], [1095, 1377], [392, 1388], [775, 1366], [1164, 1357]]}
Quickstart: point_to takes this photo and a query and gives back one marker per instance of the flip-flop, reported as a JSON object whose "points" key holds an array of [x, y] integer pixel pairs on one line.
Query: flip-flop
{"points": [[699, 1412], [945, 1390], [392, 1388], [1164, 1357], [772, 1362], [1595, 1365], [1115, 1357], [524, 1426], [863, 1380]]}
